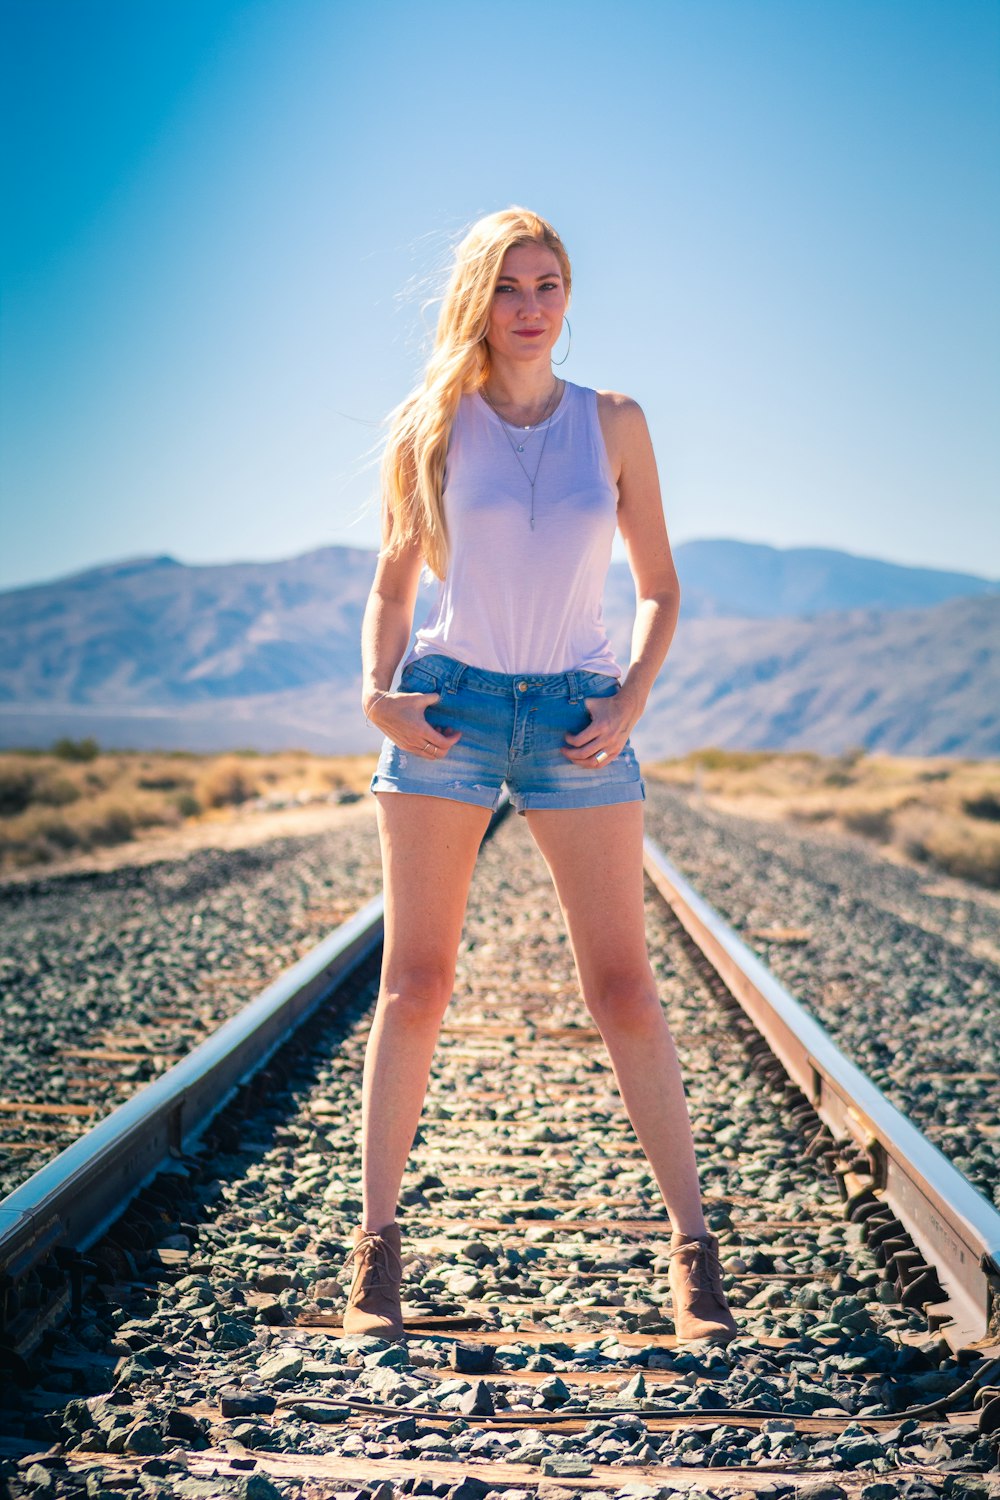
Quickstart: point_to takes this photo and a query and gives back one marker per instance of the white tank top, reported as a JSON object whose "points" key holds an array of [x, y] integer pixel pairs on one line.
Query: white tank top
{"points": [[516, 599]]}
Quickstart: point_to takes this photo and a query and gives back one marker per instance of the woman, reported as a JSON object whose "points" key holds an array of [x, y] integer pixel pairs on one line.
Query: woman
{"points": [[508, 482]]}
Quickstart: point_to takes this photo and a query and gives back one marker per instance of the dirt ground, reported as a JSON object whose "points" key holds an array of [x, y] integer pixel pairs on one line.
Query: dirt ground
{"points": [[227, 828]]}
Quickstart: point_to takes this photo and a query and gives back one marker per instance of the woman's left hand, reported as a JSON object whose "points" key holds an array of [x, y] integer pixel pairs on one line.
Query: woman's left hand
{"points": [[611, 722]]}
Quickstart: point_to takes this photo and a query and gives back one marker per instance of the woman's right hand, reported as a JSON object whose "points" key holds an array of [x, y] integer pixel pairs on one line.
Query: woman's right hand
{"points": [[400, 716]]}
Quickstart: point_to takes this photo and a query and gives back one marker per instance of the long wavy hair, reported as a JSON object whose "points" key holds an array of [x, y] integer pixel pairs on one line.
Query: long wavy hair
{"points": [[412, 466]]}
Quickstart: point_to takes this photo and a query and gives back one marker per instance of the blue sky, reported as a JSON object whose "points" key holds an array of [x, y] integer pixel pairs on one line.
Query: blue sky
{"points": [[225, 220]]}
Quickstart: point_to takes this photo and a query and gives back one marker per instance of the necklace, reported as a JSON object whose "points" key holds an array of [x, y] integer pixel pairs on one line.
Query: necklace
{"points": [[517, 448]]}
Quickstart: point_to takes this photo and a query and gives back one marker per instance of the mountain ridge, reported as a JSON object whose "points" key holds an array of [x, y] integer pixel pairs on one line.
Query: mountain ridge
{"points": [[237, 649]]}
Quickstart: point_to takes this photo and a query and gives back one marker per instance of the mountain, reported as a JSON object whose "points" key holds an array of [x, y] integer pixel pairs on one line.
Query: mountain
{"points": [[908, 682], [752, 581], [805, 647]]}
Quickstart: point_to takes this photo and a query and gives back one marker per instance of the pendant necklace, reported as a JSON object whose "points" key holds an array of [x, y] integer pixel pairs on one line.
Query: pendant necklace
{"points": [[517, 448]]}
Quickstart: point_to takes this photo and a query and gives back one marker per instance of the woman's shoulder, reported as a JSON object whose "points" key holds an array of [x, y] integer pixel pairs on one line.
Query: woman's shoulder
{"points": [[616, 404], [618, 416]]}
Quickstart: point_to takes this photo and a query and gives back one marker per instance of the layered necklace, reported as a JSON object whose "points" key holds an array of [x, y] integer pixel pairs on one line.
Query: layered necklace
{"points": [[517, 448]]}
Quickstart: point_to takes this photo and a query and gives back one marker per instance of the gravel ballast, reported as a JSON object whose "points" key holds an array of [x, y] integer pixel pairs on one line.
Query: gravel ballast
{"points": [[901, 965], [526, 1203], [143, 962]]}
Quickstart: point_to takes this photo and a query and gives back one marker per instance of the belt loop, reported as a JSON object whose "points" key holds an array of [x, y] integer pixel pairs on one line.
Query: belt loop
{"points": [[573, 679], [457, 673]]}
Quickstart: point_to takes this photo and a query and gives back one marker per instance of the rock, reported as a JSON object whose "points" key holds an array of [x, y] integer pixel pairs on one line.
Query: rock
{"points": [[395, 1357], [259, 1487], [143, 1437], [566, 1466], [469, 1488], [42, 1480], [285, 1364], [384, 1381], [472, 1359], [478, 1402], [317, 1411], [235, 1402]]}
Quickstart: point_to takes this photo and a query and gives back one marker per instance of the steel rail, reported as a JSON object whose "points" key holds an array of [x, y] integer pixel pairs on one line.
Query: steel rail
{"points": [[74, 1198], [953, 1226], [71, 1202], [67, 1205]]}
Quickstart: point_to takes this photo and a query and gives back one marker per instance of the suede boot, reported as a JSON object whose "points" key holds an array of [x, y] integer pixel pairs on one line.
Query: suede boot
{"points": [[700, 1307], [373, 1306]]}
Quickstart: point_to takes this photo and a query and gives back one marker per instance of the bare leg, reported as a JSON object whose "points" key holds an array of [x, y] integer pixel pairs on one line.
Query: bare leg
{"points": [[595, 857], [429, 848]]}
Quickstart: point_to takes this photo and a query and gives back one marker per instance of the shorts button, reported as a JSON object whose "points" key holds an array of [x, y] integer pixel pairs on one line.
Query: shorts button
{"points": [[522, 687]]}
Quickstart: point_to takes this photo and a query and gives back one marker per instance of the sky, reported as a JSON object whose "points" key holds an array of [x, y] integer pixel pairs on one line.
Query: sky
{"points": [[227, 222]]}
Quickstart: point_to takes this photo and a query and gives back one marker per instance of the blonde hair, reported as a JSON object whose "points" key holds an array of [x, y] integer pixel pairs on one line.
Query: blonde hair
{"points": [[412, 466]]}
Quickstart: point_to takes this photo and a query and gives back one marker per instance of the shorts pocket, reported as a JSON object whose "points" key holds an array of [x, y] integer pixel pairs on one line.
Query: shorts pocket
{"points": [[416, 678], [599, 685]]}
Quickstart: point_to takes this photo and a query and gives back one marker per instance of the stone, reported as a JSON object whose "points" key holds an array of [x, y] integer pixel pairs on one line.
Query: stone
{"points": [[553, 1392], [566, 1466], [477, 1402], [236, 1402], [469, 1488], [285, 1364], [143, 1437], [472, 1359], [320, 1411]]}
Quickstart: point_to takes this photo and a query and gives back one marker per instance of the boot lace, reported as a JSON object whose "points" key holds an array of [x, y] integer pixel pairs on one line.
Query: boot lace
{"points": [[702, 1266], [372, 1254]]}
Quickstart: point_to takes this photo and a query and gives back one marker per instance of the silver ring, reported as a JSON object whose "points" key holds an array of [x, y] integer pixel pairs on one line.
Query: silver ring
{"points": [[428, 745], [601, 755]]}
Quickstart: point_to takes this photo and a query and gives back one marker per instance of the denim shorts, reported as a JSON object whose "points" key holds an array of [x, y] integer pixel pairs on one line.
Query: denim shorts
{"points": [[513, 730]]}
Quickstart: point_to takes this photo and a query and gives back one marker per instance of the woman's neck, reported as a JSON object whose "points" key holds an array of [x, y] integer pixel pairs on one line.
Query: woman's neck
{"points": [[522, 394]]}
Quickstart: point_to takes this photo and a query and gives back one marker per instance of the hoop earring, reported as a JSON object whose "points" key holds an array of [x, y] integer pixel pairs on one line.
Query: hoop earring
{"points": [[568, 346]]}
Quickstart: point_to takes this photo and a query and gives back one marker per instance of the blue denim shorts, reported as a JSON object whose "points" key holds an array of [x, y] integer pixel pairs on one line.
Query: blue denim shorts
{"points": [[513, 730]]}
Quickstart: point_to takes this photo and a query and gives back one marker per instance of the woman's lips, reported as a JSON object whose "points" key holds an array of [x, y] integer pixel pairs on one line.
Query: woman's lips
{"points": [[525, 333]]}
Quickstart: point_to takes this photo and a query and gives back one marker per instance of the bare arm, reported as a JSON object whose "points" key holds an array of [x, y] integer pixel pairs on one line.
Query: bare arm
{"points": [[387, 622], [644, 532], [385, 630], [658, 595]]}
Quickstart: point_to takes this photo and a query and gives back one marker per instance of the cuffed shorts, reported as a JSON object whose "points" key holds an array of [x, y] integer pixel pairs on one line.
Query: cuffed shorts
{"points": [[513, 731]]}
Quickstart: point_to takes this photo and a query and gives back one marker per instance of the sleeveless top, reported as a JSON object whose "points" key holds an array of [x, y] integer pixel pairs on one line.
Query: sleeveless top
{"points": [[517, 600]]}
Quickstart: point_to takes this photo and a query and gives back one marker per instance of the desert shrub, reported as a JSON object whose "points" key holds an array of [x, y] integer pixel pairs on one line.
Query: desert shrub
{"points": [[38, 835], [163, 782], [844, 766], [106, 821], [225, 782], [713, 758], [983, 805], [55, 791], [966, 849], [912, 829], [187, 804], [17, 785], [69, 749], [872, 822], [806, 813]]}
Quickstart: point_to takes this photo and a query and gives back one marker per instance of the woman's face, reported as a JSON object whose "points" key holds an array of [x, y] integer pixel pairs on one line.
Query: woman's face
{"points": [[528, 304]]}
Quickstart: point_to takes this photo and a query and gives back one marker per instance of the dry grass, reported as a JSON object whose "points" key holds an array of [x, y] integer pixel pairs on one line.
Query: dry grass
{"points": [[941, 812], [75, 798]]}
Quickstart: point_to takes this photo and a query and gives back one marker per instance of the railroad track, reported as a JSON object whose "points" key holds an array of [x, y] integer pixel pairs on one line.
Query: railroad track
{"points": [[198, 1252]]}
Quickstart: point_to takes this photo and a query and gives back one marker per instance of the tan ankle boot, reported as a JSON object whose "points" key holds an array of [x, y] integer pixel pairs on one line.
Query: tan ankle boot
{"points": [[700, 1307], [373, 1300]]}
